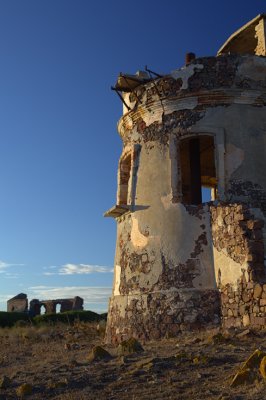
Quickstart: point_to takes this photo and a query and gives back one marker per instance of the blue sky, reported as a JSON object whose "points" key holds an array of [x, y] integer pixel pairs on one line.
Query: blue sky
{"points": [[59, 147]]}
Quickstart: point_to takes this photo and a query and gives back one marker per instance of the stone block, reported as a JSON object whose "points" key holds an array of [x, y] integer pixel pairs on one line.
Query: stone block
{"points": [[245, 297], [242, 309], [263, 302], [235, 313], [228, 322], [246, 320], [257, 321], [256, 309], [230, 313], [257, 291]]}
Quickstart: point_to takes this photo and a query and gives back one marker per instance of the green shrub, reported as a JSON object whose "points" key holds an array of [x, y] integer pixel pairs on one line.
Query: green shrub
{"points": [[104, 316], [8, 319], [67, 317]]}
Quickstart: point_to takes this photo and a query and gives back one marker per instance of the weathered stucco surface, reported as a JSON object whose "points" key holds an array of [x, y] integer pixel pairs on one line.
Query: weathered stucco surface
{"points": [[175, 258]]}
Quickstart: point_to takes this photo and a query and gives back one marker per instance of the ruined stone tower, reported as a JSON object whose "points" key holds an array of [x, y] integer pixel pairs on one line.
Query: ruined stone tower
{"points": [[183, 262]]}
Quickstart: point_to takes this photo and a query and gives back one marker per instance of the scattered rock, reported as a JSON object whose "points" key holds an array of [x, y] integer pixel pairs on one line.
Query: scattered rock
{"points": [[57, 384], [263, 367], [24, 390], [182, 356], [67, 346], [219, 338], [257, 291], [129, 346], [254, 360], [248, 373], [244, 333], [5, 382], [243, 377], [200, 360], [99, 353]]}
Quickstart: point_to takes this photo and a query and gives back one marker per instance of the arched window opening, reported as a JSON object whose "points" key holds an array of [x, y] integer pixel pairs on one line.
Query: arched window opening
{"points": [[58, 308], [42, 309], [199, 181], [125, 171]]}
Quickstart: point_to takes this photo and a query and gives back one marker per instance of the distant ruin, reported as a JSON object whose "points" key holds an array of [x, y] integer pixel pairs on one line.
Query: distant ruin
{"points": [[19, 303], [183, 262]]}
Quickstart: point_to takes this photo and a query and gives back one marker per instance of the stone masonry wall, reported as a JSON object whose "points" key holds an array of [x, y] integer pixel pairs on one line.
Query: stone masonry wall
{"points": [[245, 306], [239, 235], [161, 314]]}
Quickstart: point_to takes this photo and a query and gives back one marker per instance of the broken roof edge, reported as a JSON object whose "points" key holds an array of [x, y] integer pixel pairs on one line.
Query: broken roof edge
{"points": [[239, 31]]}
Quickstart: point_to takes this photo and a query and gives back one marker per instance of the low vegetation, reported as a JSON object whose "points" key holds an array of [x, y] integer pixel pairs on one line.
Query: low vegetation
{"points": [[9, 319]]}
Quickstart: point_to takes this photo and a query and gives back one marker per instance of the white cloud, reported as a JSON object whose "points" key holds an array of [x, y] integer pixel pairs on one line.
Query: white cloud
{"points": [[70, 269], [4, 265], [11, 276], [78, 269], [88, 293]]}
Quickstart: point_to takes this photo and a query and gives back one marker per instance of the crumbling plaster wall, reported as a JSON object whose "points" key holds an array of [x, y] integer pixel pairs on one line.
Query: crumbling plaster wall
{"points": [[163, 258], [164, 248]]}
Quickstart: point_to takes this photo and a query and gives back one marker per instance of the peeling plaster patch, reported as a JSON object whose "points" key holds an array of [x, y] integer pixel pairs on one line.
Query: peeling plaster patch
{"points": [[188, 103], [137, 238], [140, 272], [253, 67], [117, 280], [151, 115], [234, 158], [185, 73], [135, 136], [230, 271]]}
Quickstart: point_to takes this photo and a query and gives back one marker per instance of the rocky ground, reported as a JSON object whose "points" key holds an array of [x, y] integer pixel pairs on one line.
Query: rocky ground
{"points": [[57, 363]]}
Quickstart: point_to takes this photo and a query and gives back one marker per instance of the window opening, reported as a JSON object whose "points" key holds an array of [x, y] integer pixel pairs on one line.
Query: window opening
{"points": [[199, 182], [125, 170], [58, 308], [42, 309]]}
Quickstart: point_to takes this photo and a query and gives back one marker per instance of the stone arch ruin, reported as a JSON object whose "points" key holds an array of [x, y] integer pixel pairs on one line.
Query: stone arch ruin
{"points": [[19, 303]]}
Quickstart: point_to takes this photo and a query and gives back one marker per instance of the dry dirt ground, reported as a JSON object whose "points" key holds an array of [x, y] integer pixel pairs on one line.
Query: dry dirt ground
{"points": [[54, 360]]}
